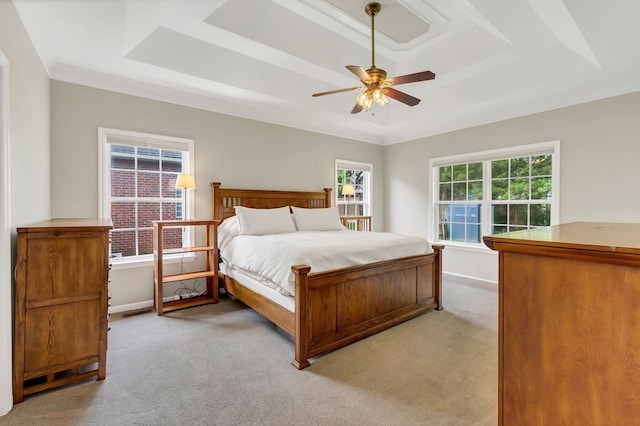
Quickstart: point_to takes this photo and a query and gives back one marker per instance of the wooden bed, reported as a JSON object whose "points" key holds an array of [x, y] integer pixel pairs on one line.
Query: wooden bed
{"points": [[338, 307]]}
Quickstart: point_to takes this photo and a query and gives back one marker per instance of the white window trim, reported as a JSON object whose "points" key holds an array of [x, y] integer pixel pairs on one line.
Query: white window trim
{"points": [[551, 147], [355, 165], [6, 339], [107, 136]]}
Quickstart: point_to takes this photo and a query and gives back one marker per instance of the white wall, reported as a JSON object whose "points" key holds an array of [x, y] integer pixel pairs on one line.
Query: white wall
{"points": [[28, 186], [599, 169], [238, 152]]}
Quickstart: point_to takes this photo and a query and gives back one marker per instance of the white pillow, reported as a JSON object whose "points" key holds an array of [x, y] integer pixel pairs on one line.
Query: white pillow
{"points": [[327, 219], [227, 230], [264, 221]]}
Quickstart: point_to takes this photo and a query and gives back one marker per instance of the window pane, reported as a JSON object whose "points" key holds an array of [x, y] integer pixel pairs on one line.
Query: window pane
{"points": [[473, 213], [123, 243], [500, 169], [172, 238], [123, 215], [148, 159], [541, 165], [519, 167], [443, 225], [148, 184], [358, 177], [123, 183], [499, 214], [540, 215], [459, 172], [475, 171], [170, 211], [169, 185], [541, 188], [122, 157], [171, 161], [518, 214], [147, 213], [473, 233], [500, 189], [445, 174], [145, 241], [445, 191], [460, 191], [475, 190], [499, 229], [519, 189]]}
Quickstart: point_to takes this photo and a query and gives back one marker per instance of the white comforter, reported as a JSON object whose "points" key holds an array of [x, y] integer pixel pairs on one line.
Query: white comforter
{"points": [[269, 257]]}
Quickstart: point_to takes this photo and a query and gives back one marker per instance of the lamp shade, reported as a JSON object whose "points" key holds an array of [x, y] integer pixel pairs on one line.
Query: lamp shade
{"points": [[348, 190], [185, 181]]}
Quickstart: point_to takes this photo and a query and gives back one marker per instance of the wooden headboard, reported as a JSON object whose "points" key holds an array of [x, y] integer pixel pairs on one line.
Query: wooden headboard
{"points": [[224, 199]]}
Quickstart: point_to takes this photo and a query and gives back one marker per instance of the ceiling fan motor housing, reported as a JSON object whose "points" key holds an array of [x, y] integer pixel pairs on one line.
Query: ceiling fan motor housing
{"points": [[377, 75]]}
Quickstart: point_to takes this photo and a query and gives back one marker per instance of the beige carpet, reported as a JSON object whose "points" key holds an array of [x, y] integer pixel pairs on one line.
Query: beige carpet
{"points": [[226, 365]]}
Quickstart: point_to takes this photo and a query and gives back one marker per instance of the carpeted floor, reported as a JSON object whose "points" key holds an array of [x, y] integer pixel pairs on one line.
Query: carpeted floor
{"points": [[226, 365]]}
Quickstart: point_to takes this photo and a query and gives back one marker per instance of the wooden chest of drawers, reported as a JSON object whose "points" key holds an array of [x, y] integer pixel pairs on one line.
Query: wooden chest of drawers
{"points": [[569, 325], [62, 274]]}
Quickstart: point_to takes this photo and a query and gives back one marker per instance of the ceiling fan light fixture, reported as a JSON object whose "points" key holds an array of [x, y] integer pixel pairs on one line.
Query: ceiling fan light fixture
{"points": [[366, 98]]}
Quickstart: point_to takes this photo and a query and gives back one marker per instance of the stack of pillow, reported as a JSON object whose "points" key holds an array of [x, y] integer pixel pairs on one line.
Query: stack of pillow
{"points": [[281, 220]]}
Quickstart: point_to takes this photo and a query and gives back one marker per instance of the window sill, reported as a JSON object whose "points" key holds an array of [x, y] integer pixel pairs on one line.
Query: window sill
{"points": [[147, 261]]}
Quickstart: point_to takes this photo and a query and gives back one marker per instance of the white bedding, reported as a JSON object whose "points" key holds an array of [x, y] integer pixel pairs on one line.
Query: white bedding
{"points": [[269, 258]]}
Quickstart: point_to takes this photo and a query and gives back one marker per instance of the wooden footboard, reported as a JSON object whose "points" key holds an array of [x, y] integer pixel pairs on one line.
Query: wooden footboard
{"points": [[338, 307]]}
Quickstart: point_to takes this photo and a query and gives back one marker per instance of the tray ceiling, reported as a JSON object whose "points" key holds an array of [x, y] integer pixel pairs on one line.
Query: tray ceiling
{"points": [[262, 59]]}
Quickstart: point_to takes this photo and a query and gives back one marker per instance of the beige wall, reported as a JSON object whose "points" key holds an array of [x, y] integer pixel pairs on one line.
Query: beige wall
{"points": [[29, 121], [28, 161], [235, 151], [600, 169]]}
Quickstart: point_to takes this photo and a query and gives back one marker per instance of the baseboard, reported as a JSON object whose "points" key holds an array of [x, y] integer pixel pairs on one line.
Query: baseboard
{"points": [[131, 307], [469, 278]]}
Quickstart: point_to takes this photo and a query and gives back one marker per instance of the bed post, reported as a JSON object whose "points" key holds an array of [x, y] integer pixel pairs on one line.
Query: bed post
{"points": [[216, 203], [327, 197], [301, 337], [437, 275]]}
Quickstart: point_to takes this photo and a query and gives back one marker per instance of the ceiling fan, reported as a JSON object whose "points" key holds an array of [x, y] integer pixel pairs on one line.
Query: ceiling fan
{"points": [[376, 84]]}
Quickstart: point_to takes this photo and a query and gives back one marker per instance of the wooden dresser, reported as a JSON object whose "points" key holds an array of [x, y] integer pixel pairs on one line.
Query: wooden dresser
{"points": [[62, 274], [569, 325]]}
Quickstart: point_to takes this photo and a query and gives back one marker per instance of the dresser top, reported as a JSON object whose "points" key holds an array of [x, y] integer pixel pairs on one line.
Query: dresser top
{"points": [[598, 236], [47, 225]]}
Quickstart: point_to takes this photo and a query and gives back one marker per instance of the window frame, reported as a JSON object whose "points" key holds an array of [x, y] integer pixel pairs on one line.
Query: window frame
{"points": [[551, 147], [107, 137], [367, 201]]}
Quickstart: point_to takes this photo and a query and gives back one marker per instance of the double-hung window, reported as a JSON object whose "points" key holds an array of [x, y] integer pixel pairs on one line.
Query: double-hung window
{"points": [[138, 172], [359, 177], [493, 192]]}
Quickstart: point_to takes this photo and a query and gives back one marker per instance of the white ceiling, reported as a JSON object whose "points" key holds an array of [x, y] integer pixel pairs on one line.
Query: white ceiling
{"points": [[262, 59]]}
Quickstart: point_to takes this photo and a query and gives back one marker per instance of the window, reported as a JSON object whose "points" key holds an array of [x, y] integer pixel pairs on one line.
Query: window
{"points": [[493, 192], [358, 175], [138, 175]]}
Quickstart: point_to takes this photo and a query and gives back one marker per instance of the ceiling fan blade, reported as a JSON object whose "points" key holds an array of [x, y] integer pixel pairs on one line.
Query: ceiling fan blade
{"points": [[331, 92], [401, 96], [411, 78], [356, 109], [360, 73]]}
